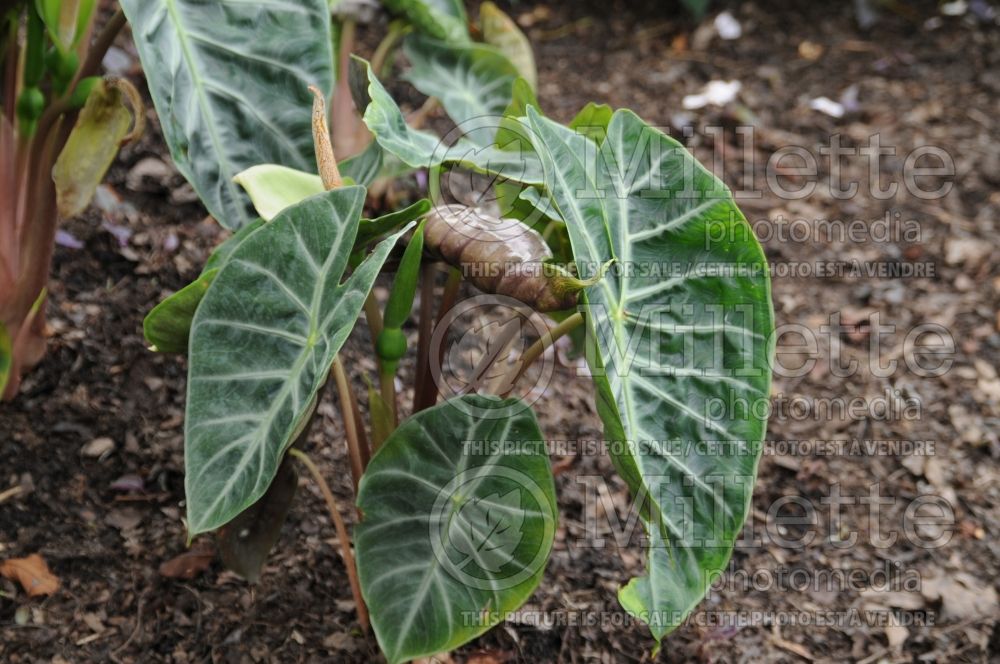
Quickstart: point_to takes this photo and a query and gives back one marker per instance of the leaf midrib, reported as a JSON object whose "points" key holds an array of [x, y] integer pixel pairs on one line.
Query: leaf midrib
{"points": [[224, 165], [260, 436]]}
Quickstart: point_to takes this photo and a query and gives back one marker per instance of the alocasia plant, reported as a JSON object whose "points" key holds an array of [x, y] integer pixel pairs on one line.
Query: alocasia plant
{"points": [[456, 500]]}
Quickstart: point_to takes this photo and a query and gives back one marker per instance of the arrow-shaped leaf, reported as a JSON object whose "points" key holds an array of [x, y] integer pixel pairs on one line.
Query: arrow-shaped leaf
{"points": [[682, 328], [472, 81], [421, 149], [168, 325], [227, 98], [262, 343], [459, 516]]}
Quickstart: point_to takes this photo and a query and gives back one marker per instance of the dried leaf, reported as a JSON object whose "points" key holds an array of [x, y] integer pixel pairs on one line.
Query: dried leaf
{"points": [[32, 573], [92, 145], [476, 243], [963, 596], [500, 31], [966, 251], [189, 564]]}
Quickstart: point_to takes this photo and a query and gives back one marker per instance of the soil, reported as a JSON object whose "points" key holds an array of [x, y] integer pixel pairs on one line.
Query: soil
{"points": [[106, 519]]}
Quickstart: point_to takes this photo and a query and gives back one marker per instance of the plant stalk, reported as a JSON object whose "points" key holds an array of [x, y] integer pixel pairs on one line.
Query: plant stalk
{"points": [[424, 392], [373, 316], [539, 347], [350, 424], [386, 47], [343, 537], [363, 445], [349, 133], [450, 294], [387, 386], [480, 375], [448, 298]]}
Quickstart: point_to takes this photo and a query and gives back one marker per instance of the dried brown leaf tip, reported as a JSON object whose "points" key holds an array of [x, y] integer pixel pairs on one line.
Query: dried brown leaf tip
{"points": [[326, 161]]}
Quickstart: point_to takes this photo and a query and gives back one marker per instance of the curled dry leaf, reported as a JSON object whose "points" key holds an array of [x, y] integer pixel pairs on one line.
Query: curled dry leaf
{"points": [[962, 596], [32, 573], [100, 129], [501, 256], [501, 32]]}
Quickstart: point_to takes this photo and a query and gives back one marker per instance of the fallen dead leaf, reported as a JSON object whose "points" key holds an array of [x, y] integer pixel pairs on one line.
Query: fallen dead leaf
{"points": [[32, 573], [124, 519], [914, 463], [440, 658], [962, 596], [93, 621], [966, 251], [935, 473], [340, 641], [189, 564]]}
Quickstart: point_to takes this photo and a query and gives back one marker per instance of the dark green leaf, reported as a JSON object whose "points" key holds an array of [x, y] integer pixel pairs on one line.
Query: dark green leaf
{"points": [[441, 19], [459, 517], [6, 356], [682, 327], [168, 326], [374, 228], [421, 149], [592, 121], [515, 200], [511, 133], [364, 167], [404, 284], [262, 343], [227, 98], [473, 81]]}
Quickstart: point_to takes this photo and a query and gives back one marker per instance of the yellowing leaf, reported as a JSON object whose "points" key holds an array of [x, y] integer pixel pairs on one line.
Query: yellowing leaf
{"points": [[272, 187], [32, 573], [103, 124], [500, 31]]}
